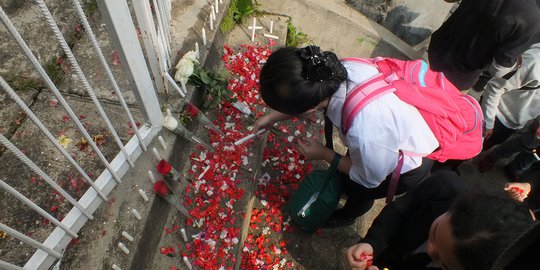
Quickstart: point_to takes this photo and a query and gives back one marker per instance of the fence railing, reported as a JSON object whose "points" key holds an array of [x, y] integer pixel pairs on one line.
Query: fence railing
{"points": [[123, 34]]}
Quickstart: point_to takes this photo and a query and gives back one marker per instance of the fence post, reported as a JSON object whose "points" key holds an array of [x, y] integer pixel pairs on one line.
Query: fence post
{"points": [[124, 38], [147, 27]]}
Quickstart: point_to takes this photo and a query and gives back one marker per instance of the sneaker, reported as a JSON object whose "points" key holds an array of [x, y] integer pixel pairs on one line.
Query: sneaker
{"points": [[336, 220], [486, 164]]}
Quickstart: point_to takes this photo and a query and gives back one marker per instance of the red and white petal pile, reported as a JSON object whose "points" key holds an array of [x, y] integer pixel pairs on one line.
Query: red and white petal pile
{"points": [[214, 197]]}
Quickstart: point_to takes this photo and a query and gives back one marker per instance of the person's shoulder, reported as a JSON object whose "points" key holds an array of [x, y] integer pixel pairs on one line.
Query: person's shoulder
{"points": [[531, 60], [525, 12]]}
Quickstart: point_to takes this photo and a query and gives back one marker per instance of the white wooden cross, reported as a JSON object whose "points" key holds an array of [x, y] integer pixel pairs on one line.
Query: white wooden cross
{"points": [[254, 28], [271, 30]]}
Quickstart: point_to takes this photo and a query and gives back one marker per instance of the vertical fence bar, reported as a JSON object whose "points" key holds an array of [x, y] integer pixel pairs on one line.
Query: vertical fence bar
{"points": [[4, 85], [36, 208], [144, 17], [29, 240], [165, 16], [32, 58], [110, 75], [118, 20], [9, 266], [22, 157], [161, 33], [77, 69], [174, 85]]}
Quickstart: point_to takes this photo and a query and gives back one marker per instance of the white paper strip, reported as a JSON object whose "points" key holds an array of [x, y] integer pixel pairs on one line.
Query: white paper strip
{"points": [[250, 136]]}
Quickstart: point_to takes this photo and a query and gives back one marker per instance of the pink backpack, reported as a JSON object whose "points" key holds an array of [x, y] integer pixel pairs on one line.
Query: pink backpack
{"points": [[455, 119]]}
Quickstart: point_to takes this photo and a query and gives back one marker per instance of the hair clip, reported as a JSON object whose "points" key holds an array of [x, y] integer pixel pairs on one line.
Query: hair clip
{"points": [[316, 70], [312, 54]]}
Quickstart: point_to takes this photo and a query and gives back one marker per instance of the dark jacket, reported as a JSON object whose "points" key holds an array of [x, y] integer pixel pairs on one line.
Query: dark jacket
{"points": [[480, 31], [532, 176], [404, 225]]}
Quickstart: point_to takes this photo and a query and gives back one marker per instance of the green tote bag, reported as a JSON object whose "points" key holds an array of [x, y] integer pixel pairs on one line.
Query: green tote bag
{"points": [[316, 198]]}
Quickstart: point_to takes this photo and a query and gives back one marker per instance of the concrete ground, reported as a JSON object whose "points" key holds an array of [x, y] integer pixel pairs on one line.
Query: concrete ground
{"points": [[331, 24]]}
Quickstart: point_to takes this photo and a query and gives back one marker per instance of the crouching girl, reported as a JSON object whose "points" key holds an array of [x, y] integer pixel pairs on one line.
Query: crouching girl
{"points": [[300, 81]]}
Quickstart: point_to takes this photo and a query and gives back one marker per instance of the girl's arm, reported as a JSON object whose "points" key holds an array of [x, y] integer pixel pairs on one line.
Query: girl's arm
{"points": [[313, 149], [345, 162], [268, 120]]}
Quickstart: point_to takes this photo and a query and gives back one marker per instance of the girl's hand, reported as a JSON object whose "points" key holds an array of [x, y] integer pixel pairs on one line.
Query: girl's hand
{"points": [[313, 149], [360, 256], [518, 190], [488, 133], [266, 122]]}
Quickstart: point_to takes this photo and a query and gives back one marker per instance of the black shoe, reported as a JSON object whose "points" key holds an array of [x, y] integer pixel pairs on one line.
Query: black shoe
{"points": [[337, 220]]}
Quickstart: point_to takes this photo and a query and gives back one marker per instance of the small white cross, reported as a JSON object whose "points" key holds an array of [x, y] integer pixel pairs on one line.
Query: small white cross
{"points": [[254, 28], [271, 36]]}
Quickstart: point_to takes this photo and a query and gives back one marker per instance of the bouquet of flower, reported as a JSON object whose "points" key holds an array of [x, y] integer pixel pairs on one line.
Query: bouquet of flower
{"points": [[194, 113], [163, 190], [184, 68], [172, 124], [164, 168]]}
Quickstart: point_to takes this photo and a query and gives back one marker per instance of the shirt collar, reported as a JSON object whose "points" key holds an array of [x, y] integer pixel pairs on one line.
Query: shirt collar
{"points": [[335, 106]]}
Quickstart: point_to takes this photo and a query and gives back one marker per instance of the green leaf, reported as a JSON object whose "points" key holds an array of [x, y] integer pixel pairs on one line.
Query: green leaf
{"points": [[244, 6], [205, 78]]}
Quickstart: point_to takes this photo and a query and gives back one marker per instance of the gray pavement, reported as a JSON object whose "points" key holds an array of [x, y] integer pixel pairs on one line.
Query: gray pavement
{"points": [[330, 24]]}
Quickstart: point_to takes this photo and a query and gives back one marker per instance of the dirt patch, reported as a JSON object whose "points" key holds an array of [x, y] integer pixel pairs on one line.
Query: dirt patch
{"points": [[39, 149], [31, 24], [377, 10]]}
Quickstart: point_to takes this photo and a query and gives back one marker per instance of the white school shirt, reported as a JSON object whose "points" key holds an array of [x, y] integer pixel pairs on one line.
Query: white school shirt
{"points": [[379, 131]]}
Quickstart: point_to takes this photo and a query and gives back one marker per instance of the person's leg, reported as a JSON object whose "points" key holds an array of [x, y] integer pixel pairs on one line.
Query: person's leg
{"points": [[499, 137], [360, 199], [523, 142], [521, 163], [526, 143], [532, 175], [500, 134], [414, 177]]}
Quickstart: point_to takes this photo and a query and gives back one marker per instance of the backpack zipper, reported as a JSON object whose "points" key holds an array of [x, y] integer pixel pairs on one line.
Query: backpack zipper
{"points": [[311, 200]]}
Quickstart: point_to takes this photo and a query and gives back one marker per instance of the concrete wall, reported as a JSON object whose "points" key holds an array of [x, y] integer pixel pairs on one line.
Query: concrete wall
{"points": [[411, 20], [373, 9]]}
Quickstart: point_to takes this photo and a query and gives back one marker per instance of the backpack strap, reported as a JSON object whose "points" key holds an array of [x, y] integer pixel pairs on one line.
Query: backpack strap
{"points": [[328, 130], [394, 179], [361, 96], [366, 61], [385, 66]]}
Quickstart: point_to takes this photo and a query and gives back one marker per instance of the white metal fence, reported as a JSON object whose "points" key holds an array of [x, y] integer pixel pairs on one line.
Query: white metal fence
{"points": [[123, 34]]}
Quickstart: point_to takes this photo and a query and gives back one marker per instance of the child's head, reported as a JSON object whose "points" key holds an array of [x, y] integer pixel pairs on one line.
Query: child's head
{"points": [[523, 253], [296, 80], [476, 230]]}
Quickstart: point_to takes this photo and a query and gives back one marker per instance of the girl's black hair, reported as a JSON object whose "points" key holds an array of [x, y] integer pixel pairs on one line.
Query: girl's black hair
{"points": [[484, 225], [295, 80], [523, 253]]}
